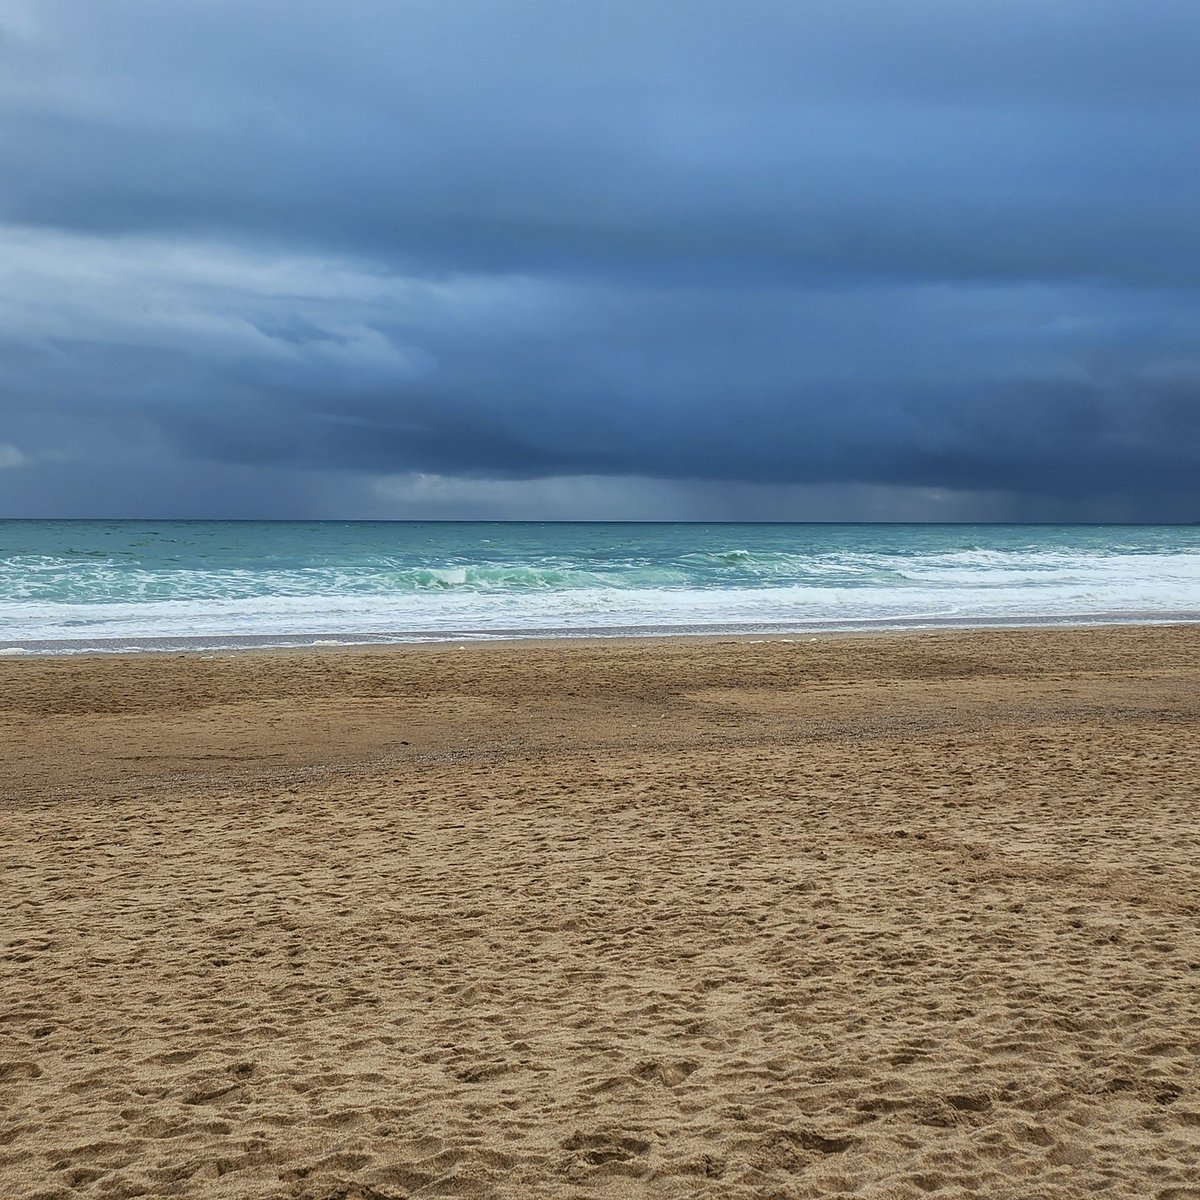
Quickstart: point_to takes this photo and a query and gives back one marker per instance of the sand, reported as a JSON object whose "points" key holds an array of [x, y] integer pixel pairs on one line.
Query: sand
{"points": [[882, 917]]}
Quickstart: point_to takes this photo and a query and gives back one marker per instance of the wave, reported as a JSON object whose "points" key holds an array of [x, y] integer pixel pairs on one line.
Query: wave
{"points": [[308, 583], [449, 613], [111, 581], [49, 581]]}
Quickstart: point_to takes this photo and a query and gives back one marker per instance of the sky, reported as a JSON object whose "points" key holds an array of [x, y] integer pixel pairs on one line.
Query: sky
{"points": [[637, 259]]}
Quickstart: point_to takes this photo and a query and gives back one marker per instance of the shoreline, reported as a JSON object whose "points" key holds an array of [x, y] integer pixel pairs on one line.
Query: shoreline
{"points": [[254, 643]]}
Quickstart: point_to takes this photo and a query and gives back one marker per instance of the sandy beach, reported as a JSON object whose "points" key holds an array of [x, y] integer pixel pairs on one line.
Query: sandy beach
{"points": [[887, 916]]}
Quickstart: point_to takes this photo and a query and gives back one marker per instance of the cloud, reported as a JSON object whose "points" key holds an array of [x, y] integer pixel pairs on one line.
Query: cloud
{"points": [[936, 253], [602, 498]]}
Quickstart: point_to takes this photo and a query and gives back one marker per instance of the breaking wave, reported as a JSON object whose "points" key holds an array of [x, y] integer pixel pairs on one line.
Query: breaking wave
{"points": [[82, 584]]}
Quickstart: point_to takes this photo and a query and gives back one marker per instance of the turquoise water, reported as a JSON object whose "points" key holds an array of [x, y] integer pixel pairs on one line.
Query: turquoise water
{"points": [[79, 585]]}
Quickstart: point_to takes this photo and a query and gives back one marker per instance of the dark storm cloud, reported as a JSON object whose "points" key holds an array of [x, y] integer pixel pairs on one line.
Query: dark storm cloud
{"points": [[921, 246]]}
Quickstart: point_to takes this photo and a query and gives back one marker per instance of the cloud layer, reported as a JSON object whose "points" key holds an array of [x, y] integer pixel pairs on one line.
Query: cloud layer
{"points": [[555, 259]]}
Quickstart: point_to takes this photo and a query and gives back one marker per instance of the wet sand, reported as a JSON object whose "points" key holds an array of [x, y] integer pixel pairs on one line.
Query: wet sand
{"points": [[857, 916]]}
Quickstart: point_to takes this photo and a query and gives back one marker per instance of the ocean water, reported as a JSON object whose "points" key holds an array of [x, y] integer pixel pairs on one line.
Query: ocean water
{"points": [[72, 586]]}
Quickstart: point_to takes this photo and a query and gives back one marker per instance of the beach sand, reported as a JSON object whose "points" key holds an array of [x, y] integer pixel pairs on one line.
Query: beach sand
{"points": [[874, 916]]}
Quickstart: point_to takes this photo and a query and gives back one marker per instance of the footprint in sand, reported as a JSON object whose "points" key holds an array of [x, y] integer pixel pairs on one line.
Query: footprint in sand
{"points": [[600, 1148]]}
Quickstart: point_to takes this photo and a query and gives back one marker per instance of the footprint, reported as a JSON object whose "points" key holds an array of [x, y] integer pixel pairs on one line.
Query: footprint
{"points": [[481, 1072], [207, 1095], [811, 1140], [11, 1071], [669, 1073], [792, 1149], [599, 1148], [707, 1165], [877, 1106], [176, 1057]]}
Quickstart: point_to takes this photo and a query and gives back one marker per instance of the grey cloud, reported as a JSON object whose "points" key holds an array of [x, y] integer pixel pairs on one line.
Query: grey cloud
{"points": [[921, 248], [772, 140]]}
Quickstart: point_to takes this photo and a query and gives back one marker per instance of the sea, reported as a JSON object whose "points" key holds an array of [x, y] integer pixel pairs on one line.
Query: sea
{"points": [[70, 587]]}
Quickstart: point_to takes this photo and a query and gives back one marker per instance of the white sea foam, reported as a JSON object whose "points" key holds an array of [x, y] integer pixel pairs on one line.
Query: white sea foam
{"points": [[309, 585], [798, 607]]}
